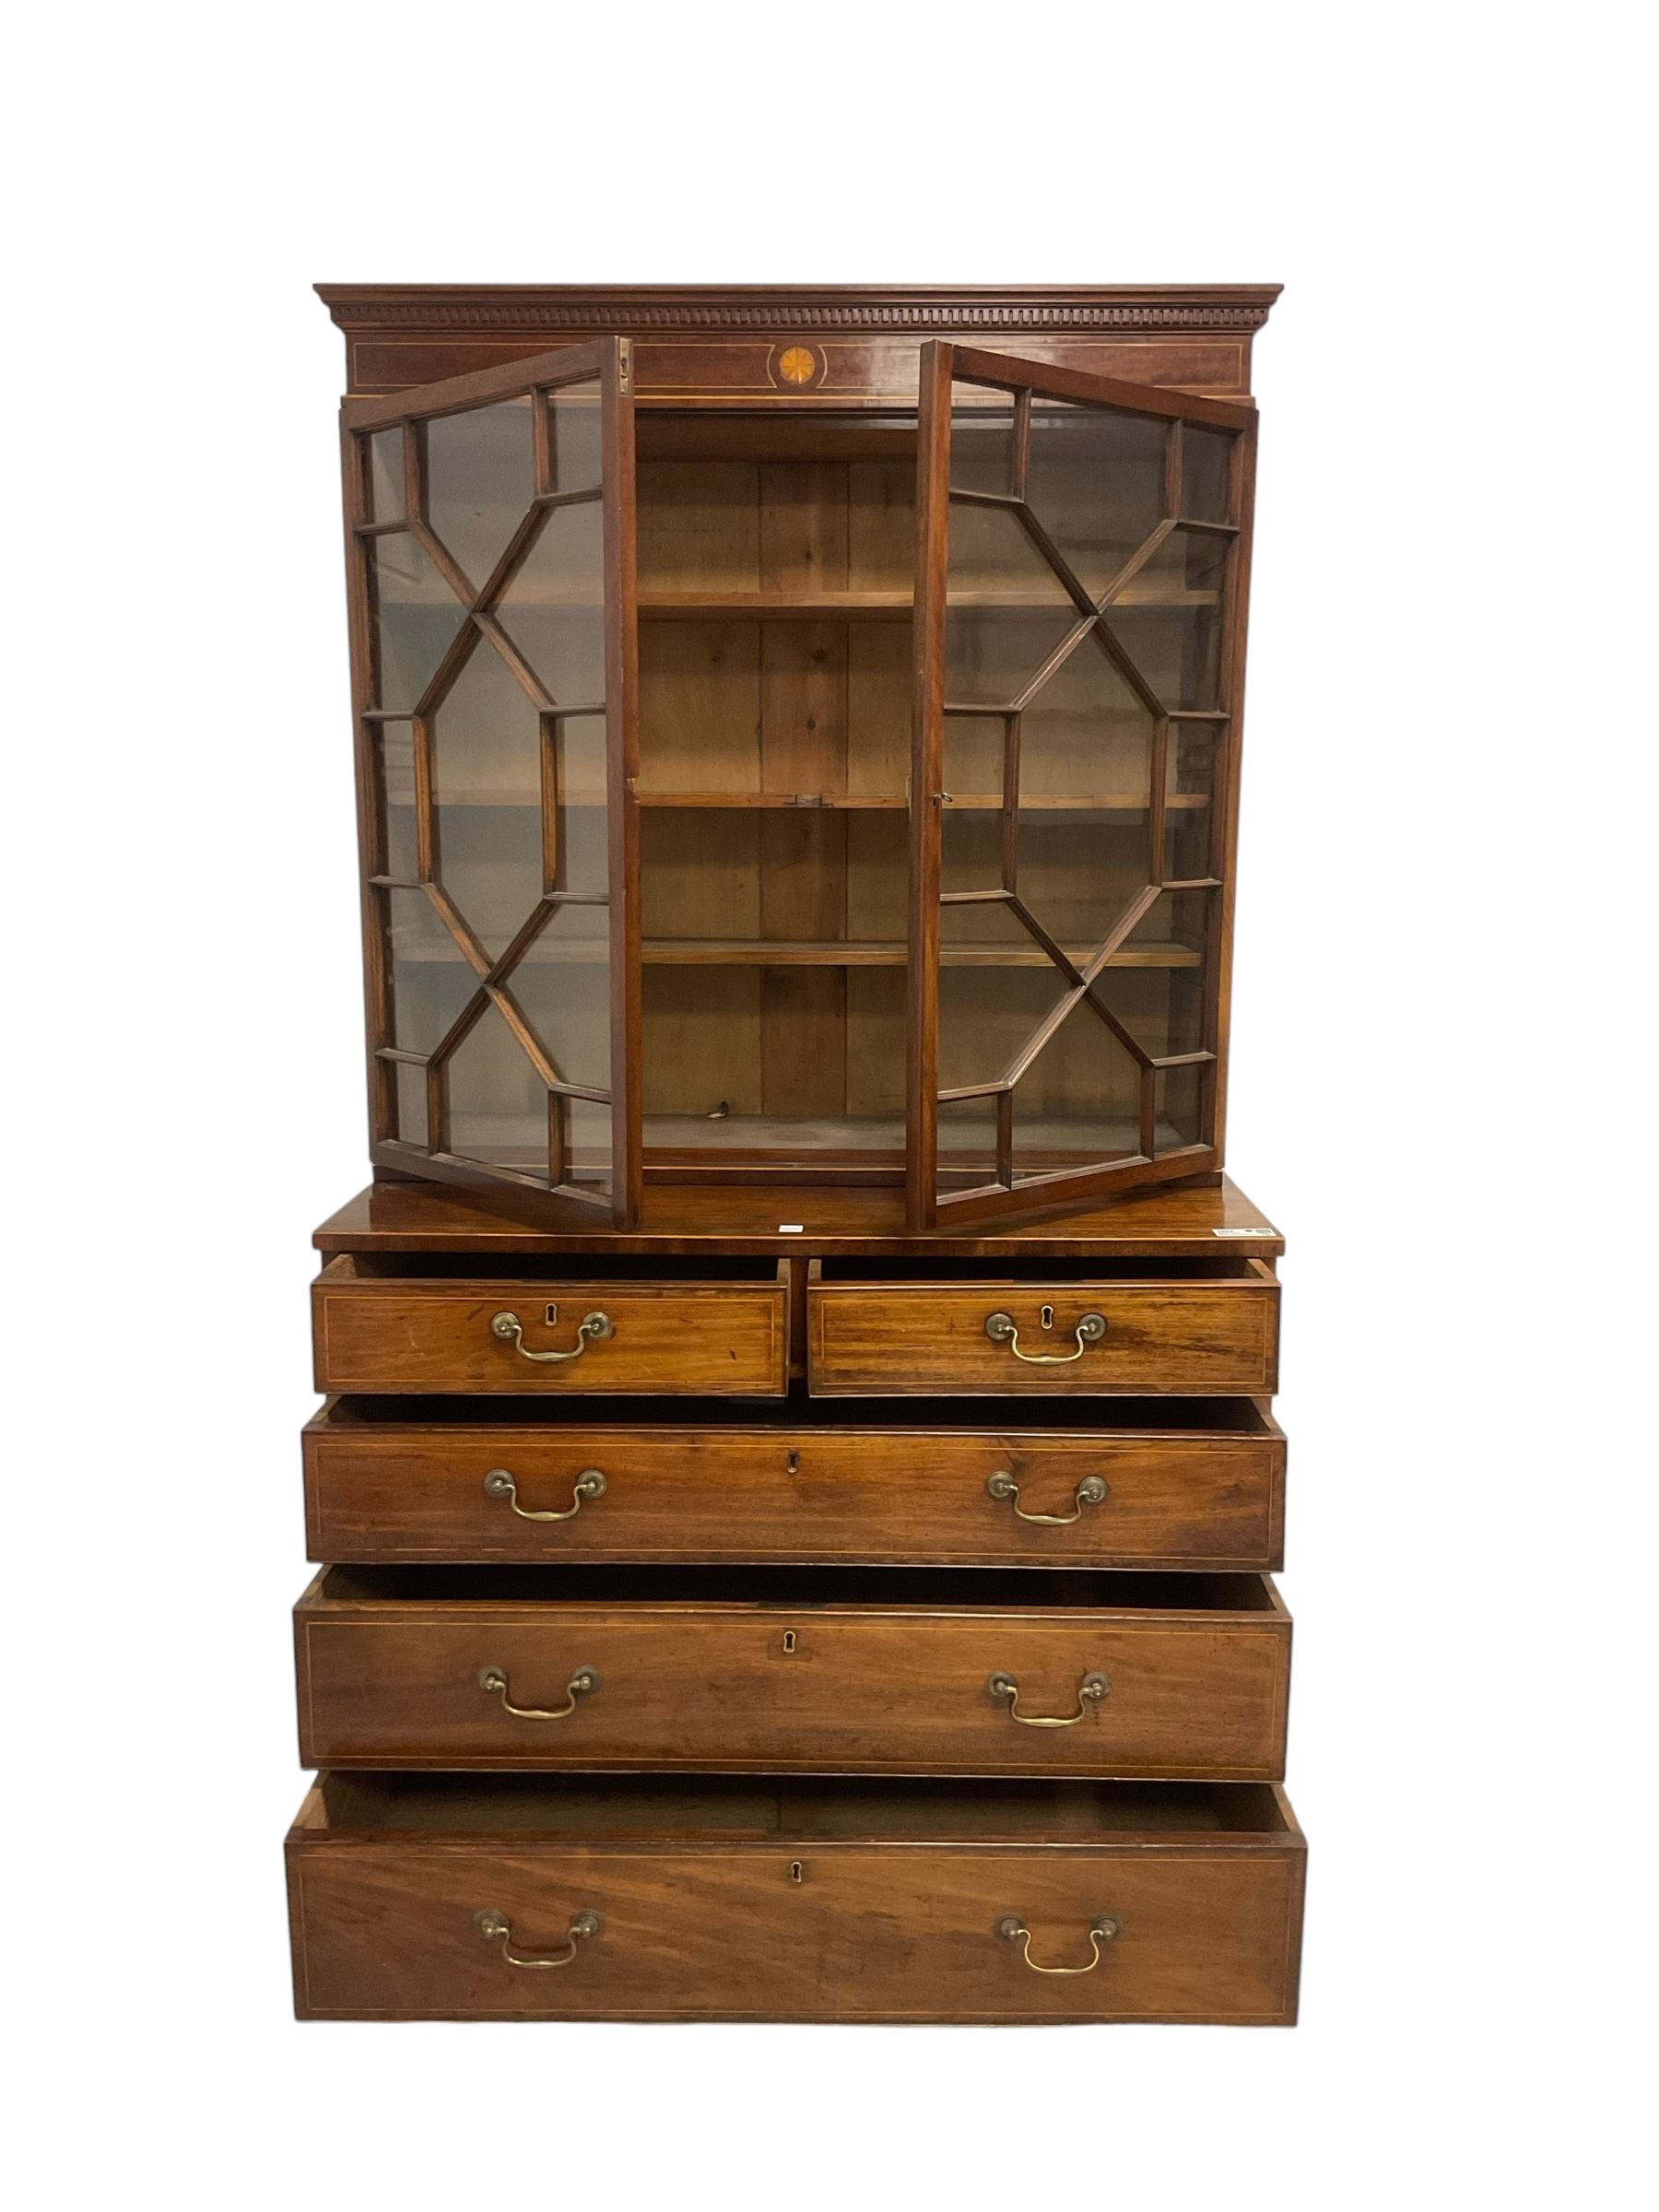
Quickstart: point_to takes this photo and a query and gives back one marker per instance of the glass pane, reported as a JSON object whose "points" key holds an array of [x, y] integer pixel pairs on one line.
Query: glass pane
{"points": [[989, 1008], [1008, 611], [415, 618], [562, 985], [1180, 1114], [1189, 788], [430, 979], [576, 437], [411, 1102], [386, 475], [587, 1137], [1170, 933], [1206, 461], [554, 611], [967, 1143], [1156, 982], [1078, 1104], [1079, 869], [1169, 618], [1085, 734], [481, 481], [498, 1104], [1095, 482], [982, 439], [399, 851], [582, 860], [487, 798], [973, 759]]}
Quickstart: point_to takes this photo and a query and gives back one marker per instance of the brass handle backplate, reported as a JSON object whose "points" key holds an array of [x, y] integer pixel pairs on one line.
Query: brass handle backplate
{"points": [[1012, 1929], [588, 1329], [495, 1927], [492, 1680], [1002, 1329], [1090, 1691], [1091, 1490], [590, 1483]]}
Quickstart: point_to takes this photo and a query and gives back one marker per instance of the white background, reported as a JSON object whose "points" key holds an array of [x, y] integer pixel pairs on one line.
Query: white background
{"points": [[1440, 1088]]}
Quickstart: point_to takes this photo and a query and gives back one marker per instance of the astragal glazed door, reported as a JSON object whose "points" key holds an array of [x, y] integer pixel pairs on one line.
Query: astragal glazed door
{"points": [[490, 550], [1082, 570]]}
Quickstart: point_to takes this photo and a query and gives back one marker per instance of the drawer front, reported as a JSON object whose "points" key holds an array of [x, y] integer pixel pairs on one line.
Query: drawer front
{"points": [[753, 1688], [794, 1932], [1192, 1338], [473, 1493], [672, 1339]]}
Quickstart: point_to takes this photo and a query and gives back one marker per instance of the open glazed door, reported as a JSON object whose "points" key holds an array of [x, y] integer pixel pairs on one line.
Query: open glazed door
{"points": [[1082, 572], [490, 539]]}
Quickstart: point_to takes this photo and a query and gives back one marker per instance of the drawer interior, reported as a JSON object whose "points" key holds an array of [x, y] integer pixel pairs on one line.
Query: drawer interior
{"points": [[922, 1275], [1169, 1417], [800, 1589], [641, 1806], [617, 1267]]}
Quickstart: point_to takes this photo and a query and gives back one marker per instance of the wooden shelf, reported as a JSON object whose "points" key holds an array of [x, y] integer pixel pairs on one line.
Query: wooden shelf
{"points": [[887, 606], [757, 952], [762, 952], [1041, 802]]}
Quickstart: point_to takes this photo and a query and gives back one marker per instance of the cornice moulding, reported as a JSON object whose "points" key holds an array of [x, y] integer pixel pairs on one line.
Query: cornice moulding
{"points": [[938, 312]]}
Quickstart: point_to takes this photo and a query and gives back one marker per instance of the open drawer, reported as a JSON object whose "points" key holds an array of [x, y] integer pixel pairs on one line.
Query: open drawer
{"points": [[546, 1897], [846, 1670], [1161, 1482], [1206, 1327], [619, 1326]]}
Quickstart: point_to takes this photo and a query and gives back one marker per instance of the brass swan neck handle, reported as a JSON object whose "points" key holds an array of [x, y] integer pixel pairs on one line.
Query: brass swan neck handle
{"points": [[495, 1927], [1106, 1929], [584, 1683], [1091, 1490], [1090, 1691], [499, 1483]]}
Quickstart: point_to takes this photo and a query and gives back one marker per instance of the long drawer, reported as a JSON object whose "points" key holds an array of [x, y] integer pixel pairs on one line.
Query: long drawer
{"points": [[428, 1897], [377, 1327], [1194, 1328], [1172, 1482], [841, 1670]]}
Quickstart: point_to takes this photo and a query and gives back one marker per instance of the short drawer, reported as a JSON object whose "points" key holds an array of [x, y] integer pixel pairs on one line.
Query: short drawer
{"points": [[846, 1670], [376, 1326], [1175, 1483], [1193, 1328], [542, 1897]]}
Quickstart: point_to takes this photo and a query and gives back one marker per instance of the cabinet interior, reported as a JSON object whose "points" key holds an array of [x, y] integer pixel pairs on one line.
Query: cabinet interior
{"points": [[1078, 822], [776, 670]]}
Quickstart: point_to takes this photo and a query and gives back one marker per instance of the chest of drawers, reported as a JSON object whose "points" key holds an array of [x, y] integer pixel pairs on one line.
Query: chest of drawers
{"points": [[668, 1680]]}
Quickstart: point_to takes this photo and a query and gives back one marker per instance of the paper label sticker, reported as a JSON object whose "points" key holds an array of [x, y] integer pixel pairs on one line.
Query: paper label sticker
{"points": [[1243, 1232]]}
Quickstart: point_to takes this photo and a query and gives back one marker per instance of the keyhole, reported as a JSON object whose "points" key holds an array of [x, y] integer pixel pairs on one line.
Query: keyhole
{"points": [[1048, 1317], [552, 1315], [789, 1639], [796, 1871], [791, 1465]]}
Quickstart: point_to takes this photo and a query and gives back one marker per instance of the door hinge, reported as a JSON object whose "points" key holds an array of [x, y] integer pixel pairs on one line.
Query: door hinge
{"points": [[623, 365]]}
